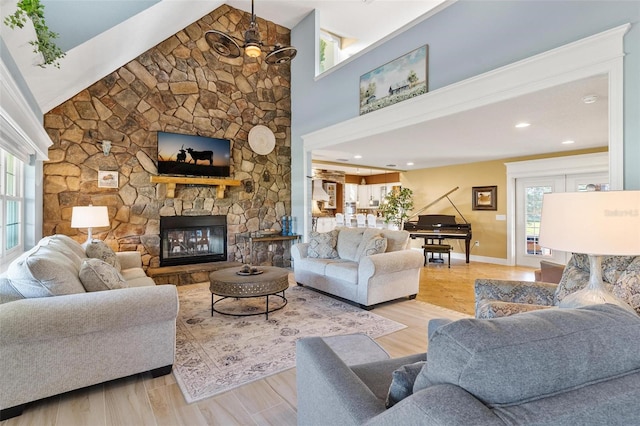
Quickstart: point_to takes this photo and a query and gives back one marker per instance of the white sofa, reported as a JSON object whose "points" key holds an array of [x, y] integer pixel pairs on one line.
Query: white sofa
{"points": [[75, 338], [351, 272]]}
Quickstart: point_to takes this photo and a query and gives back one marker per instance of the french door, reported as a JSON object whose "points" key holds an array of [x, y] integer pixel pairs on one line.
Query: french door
{"points": [[529, 194]]}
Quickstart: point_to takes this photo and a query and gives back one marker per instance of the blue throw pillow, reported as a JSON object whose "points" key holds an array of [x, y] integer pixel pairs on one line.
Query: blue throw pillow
{"points": [[402, 382]]}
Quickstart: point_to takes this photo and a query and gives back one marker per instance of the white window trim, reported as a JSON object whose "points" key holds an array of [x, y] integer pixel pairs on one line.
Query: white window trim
{"points": [[8, 255]]}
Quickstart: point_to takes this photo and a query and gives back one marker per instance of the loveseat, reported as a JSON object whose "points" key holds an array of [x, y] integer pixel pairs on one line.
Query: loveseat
{"points": [[363, 265], [58, 336], [496, 298], [546, 367]]}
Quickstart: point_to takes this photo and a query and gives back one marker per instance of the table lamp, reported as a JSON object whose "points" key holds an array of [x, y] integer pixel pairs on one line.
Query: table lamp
{"points": [[89, 217], [597, 224]]}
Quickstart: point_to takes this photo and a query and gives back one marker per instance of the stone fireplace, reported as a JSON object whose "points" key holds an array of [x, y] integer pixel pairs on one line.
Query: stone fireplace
{"points": [[186, 240], [178, 86]]}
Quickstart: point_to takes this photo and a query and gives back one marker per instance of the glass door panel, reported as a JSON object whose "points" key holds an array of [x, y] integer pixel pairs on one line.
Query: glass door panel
{"points": [[528, 210]]}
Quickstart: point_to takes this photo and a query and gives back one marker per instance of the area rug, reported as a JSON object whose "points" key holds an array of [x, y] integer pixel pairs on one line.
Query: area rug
{"points": [[216, 354]]}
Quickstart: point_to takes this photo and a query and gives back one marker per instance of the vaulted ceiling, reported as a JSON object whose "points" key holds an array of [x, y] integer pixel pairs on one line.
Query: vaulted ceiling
{"points": [[101, 35]]}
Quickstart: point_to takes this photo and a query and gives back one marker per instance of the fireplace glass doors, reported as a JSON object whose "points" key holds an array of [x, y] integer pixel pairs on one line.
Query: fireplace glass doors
{"points": [[192, 239]]}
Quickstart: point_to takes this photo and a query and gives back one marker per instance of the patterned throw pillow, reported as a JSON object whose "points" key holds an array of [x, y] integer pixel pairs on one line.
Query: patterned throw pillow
{"points": [[322, 245], [97, 275], [627, 287], [375, 245], [99, 250]]}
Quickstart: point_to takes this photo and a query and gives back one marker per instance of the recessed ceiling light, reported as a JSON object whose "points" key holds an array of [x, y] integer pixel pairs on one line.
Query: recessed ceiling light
{"points": [[568, 142], [522, 125], [590, 99], [409, 163], [357, 156]]}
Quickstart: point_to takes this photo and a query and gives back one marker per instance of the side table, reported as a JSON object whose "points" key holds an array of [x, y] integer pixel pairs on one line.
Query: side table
{"points": [[255, 238]]}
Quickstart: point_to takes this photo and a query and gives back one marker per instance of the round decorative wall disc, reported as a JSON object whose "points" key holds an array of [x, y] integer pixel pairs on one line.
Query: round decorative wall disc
{"points": [[261, 139]]}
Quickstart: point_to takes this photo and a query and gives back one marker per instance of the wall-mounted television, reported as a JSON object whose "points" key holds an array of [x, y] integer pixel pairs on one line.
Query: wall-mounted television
{"points": [[191, 155]]}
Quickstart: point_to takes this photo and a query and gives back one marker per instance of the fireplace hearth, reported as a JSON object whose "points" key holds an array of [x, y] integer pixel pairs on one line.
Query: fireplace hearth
{"points": [[186, 240]]}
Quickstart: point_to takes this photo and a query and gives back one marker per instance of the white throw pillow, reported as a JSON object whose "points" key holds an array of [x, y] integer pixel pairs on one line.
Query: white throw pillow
{"points": [[97, 249], [375, 245], [43, 272], [98, 275], [322, 245]]}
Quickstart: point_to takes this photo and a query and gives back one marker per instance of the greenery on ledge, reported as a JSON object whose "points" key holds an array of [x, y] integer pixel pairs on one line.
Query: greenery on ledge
{"points": [[44, 44]]}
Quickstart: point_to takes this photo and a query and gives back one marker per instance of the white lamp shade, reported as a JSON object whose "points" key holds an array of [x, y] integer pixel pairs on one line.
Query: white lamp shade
{"points": [[597, 223], [89, 217]]}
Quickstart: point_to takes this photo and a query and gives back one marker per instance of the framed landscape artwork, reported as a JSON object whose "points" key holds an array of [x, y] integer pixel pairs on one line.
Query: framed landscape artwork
{"points": [[395, 81], [484, 198]]}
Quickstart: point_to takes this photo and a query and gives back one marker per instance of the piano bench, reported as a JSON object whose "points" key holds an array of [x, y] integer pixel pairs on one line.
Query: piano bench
{"points": [[437, 248]]}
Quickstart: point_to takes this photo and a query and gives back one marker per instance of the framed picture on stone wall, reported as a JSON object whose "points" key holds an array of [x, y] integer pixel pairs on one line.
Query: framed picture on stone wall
{"points": [[107, 179]]}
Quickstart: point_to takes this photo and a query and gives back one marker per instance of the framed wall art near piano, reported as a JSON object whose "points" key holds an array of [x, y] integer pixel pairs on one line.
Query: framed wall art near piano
{"points": [[484, 198]]}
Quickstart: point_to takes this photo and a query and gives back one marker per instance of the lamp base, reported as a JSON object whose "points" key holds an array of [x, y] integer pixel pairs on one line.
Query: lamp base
{"points": [[595, 292]]}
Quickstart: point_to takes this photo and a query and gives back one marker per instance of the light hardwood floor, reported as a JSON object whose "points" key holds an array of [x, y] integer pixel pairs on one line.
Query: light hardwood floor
{"points": [[143, 400]]}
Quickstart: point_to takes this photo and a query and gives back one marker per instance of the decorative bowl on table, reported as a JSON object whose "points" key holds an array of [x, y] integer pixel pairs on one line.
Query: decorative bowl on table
{"points": [[249, 270]]}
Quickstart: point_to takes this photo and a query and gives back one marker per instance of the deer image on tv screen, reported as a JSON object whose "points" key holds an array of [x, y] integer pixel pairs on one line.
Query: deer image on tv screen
{"points": [[192, 155]]}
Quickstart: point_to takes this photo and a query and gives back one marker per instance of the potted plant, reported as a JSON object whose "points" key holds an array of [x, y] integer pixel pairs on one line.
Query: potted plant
{"points": [[396, 206], [44, 43]]}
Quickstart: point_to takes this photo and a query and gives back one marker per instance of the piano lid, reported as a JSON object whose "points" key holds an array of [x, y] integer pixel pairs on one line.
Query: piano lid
{"points": [[433, 202]]}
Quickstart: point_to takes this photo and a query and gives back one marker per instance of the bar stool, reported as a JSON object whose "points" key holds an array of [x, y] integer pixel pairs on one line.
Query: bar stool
{"points": [[437, 248]]}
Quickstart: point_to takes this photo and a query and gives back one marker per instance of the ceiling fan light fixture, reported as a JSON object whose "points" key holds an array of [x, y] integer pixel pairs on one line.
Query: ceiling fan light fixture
{"points": [[252, 50], [222, 44], [226, 46], [281, 55]]}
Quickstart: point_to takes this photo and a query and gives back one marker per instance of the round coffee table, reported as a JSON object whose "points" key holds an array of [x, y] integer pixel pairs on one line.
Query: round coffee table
{"points": [[227, 283]]}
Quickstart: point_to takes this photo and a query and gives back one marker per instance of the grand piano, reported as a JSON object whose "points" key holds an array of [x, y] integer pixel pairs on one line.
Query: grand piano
{"points": [[439, 226]]}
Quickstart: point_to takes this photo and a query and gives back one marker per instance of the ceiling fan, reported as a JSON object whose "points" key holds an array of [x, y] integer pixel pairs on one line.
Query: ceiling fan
{"points": [[229, 47]]}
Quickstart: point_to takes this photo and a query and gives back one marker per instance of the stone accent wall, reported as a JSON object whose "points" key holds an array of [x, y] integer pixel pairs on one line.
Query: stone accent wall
{"points": [[178, 86]]}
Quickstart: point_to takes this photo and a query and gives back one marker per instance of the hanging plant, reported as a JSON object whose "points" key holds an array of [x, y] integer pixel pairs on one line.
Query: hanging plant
{"points": [[44, 44], [396, 206]]}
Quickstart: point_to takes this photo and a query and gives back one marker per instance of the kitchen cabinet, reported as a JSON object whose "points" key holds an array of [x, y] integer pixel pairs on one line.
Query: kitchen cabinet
{"points": [[330, 188], [364, 196], [371, 196], [350, 193]]}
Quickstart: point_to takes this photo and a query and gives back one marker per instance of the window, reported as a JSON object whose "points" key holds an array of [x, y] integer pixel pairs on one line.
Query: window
{"points": [[330, 51], [12, 202]]}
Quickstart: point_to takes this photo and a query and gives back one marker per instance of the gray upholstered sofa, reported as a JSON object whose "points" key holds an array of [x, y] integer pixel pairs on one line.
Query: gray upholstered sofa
{"points": [[364, 265], [546, 367], [56, 336]]}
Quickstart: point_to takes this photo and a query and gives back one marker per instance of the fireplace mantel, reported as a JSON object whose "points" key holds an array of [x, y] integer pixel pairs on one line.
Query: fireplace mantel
{"points": [[171, 182]]}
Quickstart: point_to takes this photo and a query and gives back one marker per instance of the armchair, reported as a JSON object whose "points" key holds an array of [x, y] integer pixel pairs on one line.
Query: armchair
{"points": [[497, 298]]}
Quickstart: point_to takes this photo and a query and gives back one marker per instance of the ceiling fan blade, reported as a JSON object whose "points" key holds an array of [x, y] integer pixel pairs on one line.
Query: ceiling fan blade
{"points": [[281, 55], [222, 44]]}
